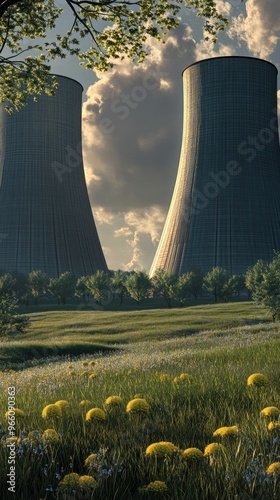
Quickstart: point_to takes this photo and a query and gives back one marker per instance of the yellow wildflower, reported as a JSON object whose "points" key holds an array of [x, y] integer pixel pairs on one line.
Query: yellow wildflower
{"points": [[92, 375], [137, 405], [15, 412], [51, 436], [113, 401], [274, 426], [70, 482], [257, 379], [33, 435], [213, 449], [161, 449], [85, 402], [95, 414], [270, 411], [87, 482], [274, 469], [192, 454], [72, 373], [63, 404], [90, 461], [184, 377], [226, 431], [52, 411], [157, 486]]}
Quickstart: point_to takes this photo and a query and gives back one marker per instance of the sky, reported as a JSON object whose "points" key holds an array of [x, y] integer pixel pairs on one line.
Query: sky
{"points": [[132, 124]]}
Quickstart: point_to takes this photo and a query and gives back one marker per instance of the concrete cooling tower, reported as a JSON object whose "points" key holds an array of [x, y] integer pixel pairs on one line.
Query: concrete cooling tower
{"points": [[46, 220], [225, 209]]}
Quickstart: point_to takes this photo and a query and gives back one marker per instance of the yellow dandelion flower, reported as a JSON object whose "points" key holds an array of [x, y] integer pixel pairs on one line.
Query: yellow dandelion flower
{"points": [[184, 377], [274, 426], [226, 431], [92, 375], [87, 482], [95, 414], [192, 454], [50, 436], [70, 482], [85, 363], [13, 439], [137, 405], [274, 469], [270, 411], [113, 401], [63, 404], [16, 412], [213, 449], [157, 486], [85, 402], [52, 411], [90, 461], [161, 449], [258, 379], [33, 435], [164, 376]]}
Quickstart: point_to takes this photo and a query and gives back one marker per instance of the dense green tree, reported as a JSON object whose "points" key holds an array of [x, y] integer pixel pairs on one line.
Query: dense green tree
{"points": [[214, 282], [81, 289], [164, 284], [263, 280], [9, 318], [138, 285], [36, 284], [230, 288], [7, 284], [182, 289], [194, 279], [255, 275], [108, 30], [118, 284], [62, 287], [99, 285]]}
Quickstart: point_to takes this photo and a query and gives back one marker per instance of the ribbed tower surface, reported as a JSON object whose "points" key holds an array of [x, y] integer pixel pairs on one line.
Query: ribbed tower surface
{"points": [[225, 209], [46, 220]]}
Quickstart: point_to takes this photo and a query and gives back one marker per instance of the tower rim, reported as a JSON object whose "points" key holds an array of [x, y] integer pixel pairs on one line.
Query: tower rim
{"points": [[229, 57], [67, 78]]}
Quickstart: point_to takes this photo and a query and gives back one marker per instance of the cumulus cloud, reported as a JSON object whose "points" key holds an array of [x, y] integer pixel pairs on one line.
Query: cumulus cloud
{"points": [[132, 122], [144, 223], [206, 49], [132, 129], [259, 27]]}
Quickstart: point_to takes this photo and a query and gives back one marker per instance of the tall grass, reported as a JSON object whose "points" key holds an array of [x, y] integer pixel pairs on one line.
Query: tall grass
{"points": [[185, 413]]}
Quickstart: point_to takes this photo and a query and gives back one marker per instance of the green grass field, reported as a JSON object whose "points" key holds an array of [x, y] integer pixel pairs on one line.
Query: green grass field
{"points": [[140, 353]]}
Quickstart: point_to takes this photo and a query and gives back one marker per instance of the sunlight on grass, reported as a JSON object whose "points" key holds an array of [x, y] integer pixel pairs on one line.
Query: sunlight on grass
{"points": [[95, 444]]}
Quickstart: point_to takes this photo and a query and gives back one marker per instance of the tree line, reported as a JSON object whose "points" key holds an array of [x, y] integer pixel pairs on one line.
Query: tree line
{"points": [[261, 282]]}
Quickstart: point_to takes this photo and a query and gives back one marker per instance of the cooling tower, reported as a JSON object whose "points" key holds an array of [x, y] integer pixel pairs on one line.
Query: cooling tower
{"points": [[225, 209], [46, 220]]}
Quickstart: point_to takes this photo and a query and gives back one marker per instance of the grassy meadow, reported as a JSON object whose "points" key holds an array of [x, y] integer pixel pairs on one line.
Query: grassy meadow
{"points": [[89, 356]]}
